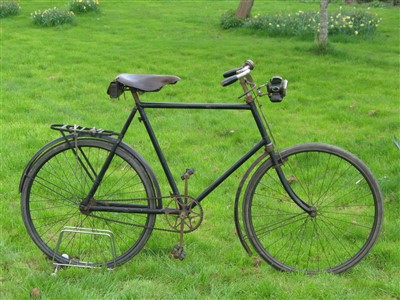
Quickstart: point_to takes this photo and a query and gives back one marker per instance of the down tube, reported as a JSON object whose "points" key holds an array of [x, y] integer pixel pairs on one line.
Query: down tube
{"points": [[232, 169]]}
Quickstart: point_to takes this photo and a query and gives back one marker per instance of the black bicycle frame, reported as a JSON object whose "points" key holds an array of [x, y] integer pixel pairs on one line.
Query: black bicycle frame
{"points": [[140, 107], [164, 164]]}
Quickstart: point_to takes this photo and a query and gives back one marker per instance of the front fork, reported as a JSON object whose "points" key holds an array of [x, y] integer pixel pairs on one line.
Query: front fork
{"points": [[277, 163], [269, 148]]}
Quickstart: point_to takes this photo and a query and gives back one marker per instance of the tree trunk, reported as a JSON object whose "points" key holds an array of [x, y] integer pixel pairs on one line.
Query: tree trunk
{"points": [[244, 9], [323, 27]]}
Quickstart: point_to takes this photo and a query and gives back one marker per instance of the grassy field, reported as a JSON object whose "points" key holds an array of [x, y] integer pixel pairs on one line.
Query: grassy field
{"points": [[349, 98]]}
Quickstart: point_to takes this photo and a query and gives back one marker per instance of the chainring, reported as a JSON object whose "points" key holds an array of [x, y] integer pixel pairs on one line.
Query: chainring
{"points": [[184, 214]]}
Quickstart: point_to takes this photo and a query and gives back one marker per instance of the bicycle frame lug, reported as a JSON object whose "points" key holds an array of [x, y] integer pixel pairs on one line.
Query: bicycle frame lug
{"points": [[84, 209], [269, 148]]}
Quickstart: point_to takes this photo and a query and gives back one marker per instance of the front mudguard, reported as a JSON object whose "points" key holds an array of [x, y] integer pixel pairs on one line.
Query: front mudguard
{"points": [[238, 202]]}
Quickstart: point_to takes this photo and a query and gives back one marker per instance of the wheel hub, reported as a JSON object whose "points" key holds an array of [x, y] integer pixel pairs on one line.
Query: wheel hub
{"points": [[313, 212], [85, 209]]}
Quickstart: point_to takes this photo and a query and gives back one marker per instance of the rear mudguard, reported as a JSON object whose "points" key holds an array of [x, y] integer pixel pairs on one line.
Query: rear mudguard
{"points": [[71, 139]]}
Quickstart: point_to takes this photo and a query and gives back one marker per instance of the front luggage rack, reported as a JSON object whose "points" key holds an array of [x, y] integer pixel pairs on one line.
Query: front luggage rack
{"points": [[76, 129]]}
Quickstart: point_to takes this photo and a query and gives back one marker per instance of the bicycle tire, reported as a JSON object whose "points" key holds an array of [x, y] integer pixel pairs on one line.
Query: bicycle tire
{"points": [[349, 210], [56, 184]]}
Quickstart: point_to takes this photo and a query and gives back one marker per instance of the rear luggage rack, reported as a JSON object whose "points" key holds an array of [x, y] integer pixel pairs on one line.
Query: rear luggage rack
{"points": [[76, 129]]}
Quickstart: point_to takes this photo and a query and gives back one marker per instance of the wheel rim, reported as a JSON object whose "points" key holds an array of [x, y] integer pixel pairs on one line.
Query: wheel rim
{"points": [[55, 190], [347, 218]]}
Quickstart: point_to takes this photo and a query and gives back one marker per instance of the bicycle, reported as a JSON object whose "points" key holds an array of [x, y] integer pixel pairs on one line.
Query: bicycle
{"points": [[309, 208]]}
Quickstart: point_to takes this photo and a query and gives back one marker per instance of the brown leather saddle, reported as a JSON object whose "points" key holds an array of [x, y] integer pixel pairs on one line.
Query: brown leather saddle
{"points": [[139, 82]]}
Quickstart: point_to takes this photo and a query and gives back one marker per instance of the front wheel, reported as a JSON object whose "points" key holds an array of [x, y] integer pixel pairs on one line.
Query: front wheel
{"points": [[57, 183], [348, 202]]}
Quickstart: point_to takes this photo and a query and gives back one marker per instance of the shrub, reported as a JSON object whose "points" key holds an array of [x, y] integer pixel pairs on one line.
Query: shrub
{"points": [[374, 2], [354, 22], [229, 20], [52, 17], [292, 24], [83, 6], [9, 8]]}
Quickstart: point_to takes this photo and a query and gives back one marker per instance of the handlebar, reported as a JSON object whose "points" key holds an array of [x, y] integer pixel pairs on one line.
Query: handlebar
{"points": [[237, 73], [276, 87]]}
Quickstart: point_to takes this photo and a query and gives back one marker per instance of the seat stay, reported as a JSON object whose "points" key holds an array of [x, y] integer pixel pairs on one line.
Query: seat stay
{"points": [[110, 157]]}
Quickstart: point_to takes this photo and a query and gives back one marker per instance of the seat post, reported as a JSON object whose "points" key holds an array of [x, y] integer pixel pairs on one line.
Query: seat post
{"points": [[135, 96]]}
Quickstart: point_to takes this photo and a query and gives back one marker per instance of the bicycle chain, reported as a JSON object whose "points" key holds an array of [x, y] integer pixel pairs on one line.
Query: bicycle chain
{"points": [[152, 227], [134, 225]]}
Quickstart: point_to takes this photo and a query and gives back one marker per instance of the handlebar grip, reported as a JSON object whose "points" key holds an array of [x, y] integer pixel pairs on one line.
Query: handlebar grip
{"points": [[229, 80], [230, 72]]}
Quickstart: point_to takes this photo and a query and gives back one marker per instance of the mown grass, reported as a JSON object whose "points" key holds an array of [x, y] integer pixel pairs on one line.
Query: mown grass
{"points": [[53, 75]]}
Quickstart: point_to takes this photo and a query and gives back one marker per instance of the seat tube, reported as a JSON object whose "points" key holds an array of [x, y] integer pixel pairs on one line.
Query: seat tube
{"points": [[156, 145]]}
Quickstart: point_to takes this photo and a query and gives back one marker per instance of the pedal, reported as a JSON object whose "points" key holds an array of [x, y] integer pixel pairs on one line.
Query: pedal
{"points": [[178, 252], [187, 173]]}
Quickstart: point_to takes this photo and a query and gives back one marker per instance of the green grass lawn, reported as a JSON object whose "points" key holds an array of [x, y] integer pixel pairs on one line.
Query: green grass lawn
{"points": [[349, 98]]}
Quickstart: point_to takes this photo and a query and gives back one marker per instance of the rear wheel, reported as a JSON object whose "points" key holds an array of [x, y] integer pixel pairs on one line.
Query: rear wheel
{"points": [[57, 183], [348, 202]]}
